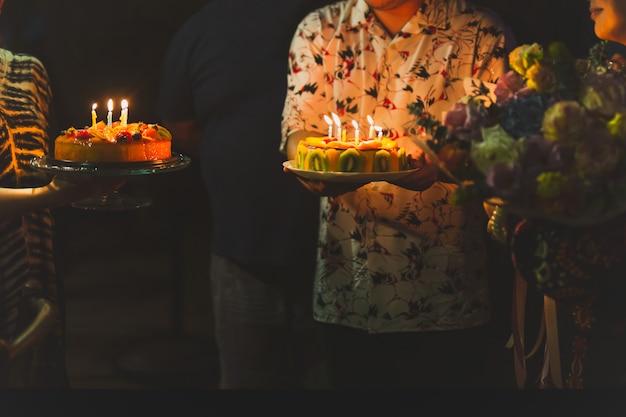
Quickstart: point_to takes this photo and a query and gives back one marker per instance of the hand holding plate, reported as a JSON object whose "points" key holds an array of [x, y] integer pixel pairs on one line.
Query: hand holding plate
{"points": [[73, 188], [424, 174]]}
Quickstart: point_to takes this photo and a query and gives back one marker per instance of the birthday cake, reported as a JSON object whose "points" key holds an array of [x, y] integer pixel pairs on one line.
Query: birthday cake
{"points": [[350, 155], [117, 142]]}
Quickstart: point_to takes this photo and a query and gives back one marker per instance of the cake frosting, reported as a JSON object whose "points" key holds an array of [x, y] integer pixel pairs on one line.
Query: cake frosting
{"points": [[350, 155], [133, 142]]}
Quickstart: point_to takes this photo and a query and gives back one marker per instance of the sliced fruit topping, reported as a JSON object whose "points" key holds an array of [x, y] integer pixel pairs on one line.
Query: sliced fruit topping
{"points": [[165, 134], [83, 134], [123, 136], [382, 161], [351, 160], [151, 132], [301, 154], [316, 161]]}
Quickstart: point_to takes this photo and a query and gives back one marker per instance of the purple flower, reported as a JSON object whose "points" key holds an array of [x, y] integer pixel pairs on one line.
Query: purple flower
{"points": [[541, 154], [505, 180], [465, 119], [507, 85]]}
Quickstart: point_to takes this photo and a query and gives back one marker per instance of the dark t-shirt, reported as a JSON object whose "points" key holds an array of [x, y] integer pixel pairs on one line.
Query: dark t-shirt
{"points": [[227, 68]]}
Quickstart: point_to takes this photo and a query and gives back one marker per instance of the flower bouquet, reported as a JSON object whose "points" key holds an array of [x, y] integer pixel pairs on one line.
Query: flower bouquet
{"points": [[547, 141]]}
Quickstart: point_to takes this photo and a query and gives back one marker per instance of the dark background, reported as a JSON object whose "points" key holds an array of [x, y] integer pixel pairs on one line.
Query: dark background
{"points": [[96, 50]]}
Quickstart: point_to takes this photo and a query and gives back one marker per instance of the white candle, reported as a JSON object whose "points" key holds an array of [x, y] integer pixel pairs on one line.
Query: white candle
{"points": [[371, 122], [124, 115], [356, 131], [338, 123], [330, 125], [94, 117], [110, 113]]}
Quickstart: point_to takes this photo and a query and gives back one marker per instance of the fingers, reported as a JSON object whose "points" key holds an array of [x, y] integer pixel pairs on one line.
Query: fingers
{"points": [[70, 188], [419, 180]]}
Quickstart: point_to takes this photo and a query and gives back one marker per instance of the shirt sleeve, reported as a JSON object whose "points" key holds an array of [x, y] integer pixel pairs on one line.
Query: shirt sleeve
{"points": [[175, 100], [305, 102], [493, 51]]}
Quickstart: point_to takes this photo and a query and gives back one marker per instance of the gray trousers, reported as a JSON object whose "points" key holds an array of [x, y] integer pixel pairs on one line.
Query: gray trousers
{"points": [[265, 338]]}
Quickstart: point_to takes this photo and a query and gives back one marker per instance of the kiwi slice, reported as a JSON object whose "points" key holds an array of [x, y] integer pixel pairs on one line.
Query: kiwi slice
{"points": [[316, 161], [351, 160], [301, 153], [402, 160], [382, 161]]}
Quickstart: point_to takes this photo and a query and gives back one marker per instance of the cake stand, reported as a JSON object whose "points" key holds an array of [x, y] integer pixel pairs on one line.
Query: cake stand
{"points": [[114, 201]]}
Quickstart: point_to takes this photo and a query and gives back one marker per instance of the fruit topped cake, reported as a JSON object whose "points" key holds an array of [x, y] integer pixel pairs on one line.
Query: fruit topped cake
{"points": [[132, 142], [332, 155]]}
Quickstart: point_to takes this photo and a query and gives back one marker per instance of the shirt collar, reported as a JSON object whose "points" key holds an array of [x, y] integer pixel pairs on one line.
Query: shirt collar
{"points": [[434, 13]]}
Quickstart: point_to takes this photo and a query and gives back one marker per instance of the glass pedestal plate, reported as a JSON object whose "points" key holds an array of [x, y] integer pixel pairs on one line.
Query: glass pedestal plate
{"points": [[115, 201]]}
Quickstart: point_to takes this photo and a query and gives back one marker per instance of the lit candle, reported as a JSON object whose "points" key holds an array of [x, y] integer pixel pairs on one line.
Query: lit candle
{"points": [[110, 113], [338, 123], [371, 122], [380, 131], [94, 117], [330, 125], [124, 115], [356, 132]]}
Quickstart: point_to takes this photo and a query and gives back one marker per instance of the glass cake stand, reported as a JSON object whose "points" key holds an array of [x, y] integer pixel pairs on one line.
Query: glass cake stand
{"points": [[115, 201]]}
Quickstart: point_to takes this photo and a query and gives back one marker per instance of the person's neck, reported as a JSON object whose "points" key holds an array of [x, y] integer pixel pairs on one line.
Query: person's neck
{"points": [[394, 19]]}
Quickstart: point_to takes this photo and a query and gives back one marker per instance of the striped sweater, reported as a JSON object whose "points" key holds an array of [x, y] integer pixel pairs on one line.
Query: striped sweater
{"points": [[26, 251]]}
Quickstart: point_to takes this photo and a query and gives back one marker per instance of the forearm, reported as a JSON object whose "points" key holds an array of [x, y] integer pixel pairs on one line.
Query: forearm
{"points": [[59, 192], [17, 201]]}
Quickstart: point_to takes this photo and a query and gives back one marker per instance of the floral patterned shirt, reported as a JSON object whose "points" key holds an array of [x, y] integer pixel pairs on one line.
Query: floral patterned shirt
{"points": [[390, 259]]}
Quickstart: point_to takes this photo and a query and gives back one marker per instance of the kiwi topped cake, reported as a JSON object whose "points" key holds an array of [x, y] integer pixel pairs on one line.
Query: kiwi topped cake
{"points": [[333, 155]]}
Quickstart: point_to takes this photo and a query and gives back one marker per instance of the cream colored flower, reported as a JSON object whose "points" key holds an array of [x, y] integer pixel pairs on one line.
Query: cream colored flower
{"points": [[497, 147]]}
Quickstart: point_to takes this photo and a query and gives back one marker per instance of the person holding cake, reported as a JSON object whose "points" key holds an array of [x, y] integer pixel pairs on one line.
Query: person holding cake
{"points": [[26, 222], [401, 290]]}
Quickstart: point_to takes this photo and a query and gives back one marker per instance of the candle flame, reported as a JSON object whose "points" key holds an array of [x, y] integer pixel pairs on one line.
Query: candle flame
{"points": [[110, 105], [336, 119], [328, 120], [124, 104], [370, 120], [94, 106], [355, 124]]}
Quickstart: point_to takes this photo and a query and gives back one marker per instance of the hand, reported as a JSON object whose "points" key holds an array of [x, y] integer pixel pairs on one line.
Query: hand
{"points": [[420, 180], [66, 189]]}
